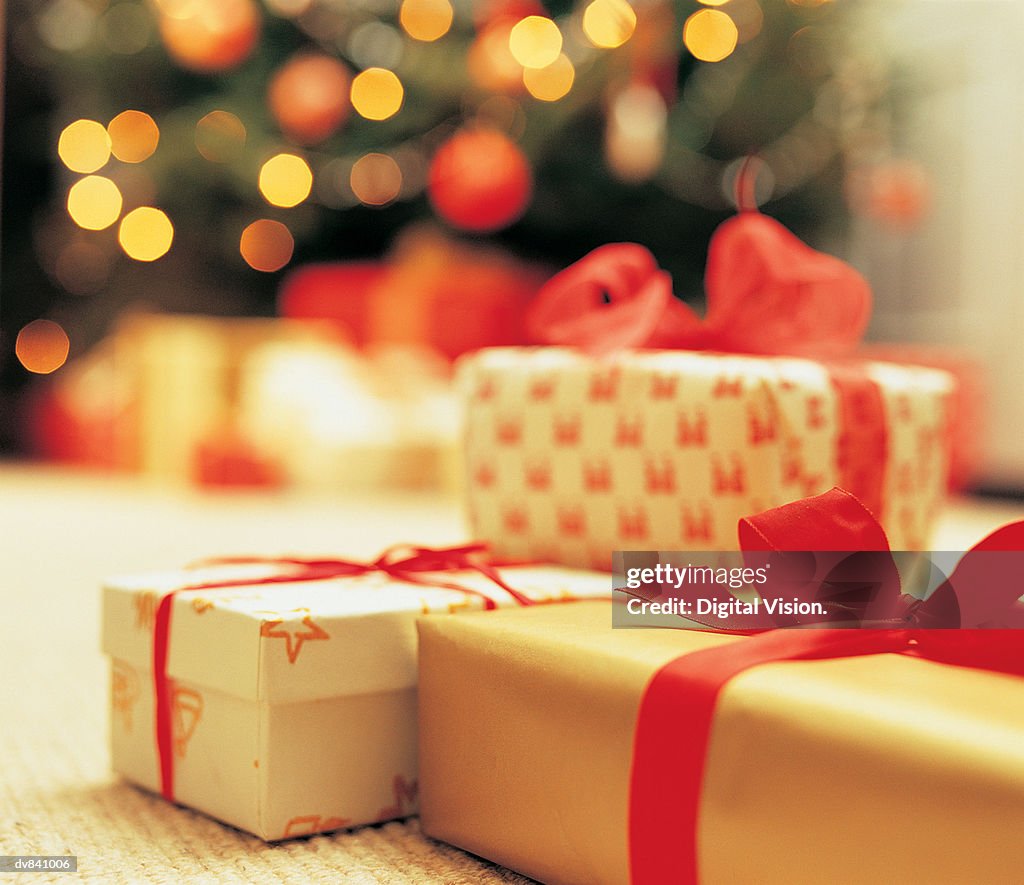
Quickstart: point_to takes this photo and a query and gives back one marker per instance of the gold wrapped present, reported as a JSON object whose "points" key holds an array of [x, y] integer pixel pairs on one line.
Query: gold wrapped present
{"points": [[540, 750]]}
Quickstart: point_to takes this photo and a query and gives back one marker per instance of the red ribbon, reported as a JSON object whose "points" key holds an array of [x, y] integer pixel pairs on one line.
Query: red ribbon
{"points": [[681, 698], [767, 293], [400, 563]]}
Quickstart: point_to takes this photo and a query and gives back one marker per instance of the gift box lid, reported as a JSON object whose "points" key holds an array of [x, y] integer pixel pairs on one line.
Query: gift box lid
{"points": [[304, 640]]}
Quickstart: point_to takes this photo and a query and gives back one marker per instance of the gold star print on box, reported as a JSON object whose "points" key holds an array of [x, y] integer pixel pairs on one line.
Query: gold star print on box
{"points": [[294, 638]]}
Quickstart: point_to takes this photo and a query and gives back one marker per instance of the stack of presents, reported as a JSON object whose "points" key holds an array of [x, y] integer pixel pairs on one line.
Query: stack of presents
{"points": [[484, 686]]}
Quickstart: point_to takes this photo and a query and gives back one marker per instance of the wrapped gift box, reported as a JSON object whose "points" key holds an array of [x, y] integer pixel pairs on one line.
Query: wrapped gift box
{"points": [[570, 457], [879, 768], [290, 707]]}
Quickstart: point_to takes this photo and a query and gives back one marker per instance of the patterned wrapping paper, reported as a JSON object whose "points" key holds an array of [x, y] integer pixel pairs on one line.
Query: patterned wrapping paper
{"points": [[293, 705], [571, 457], [857, 770]]}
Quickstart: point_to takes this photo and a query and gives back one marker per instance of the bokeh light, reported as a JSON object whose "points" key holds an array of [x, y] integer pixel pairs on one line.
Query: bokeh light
{"points": [[609, 23], [491, 64], [375, 179], [220, 136], [377, 93], [84, 146], [94, 202], [126, 28], [426, 20], [308, 96], [267, 245], [375, 44], [145, 234], [711, 35], [42, 346], [134, 136], [535, 41], [285, 180], [209, 36], [550, 83], [65, 25]]}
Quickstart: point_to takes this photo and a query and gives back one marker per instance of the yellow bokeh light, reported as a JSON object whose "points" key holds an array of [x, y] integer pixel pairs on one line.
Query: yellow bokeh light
{"points": [[220, 136], [550, 83], [266, 245], [377, 93], [609, 23], [375, 179], [84, 146], [94, 202], [425, 20], [710, 35], [42, 346], [133, 136], [713, 2], [535, 41], [145, 234], [285, 180]]}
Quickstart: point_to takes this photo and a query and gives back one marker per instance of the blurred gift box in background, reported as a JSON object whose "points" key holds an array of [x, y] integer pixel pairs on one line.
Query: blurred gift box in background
{"points": [[243, 241]]}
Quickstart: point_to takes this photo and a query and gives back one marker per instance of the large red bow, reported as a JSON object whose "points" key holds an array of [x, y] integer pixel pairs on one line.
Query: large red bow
{"points": [[681, 698], [767, 293], [864, 586]]}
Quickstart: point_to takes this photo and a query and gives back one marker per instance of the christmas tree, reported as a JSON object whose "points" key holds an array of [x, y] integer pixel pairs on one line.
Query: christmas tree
{"points": [[183, 154]]}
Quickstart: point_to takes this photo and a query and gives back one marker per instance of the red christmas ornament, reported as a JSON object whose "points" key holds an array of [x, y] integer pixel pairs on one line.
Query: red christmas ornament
{"points": [[215, 35], [479, 180], [309, 97]]}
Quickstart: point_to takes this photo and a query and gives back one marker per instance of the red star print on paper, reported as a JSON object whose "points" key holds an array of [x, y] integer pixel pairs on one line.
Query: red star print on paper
{"points": [[294, 639]]}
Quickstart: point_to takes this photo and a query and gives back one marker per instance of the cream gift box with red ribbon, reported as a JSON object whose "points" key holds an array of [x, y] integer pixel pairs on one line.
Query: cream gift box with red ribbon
{"points": [[646, 427], [570, 457], [289, 700]]}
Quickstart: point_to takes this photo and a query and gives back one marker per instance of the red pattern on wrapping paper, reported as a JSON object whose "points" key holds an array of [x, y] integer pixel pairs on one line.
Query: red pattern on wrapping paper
{"points": [[404, 794], [509, 431], [904, 479], [815, 412], [567, 430], [597, 476], [486, 390], [812, 484], [515, 520], [792, 460], [902, 408], [572, 522], [633, 523], [863, 438], [679, 702], [538, 476], [696, 527], [629, 432], [731, 480], [659, 476], [692, 431], [390, 563], [485, 476], [761, 428], [726, 386], [604, 386], [542, 388], [663, 386]]}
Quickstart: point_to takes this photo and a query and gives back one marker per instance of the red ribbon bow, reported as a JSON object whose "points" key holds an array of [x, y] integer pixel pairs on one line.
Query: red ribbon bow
{"points": [[401, 563], [680, 699], [767, 293]]}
